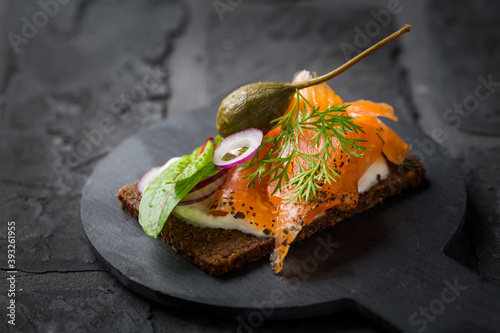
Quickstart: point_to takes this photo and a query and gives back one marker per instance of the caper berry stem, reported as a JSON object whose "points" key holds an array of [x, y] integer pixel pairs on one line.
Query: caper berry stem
{"points": [[347, 65], [256, 105]]}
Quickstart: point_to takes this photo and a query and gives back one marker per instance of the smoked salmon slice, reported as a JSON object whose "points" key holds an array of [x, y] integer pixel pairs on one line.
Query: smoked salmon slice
{"points": [[269, 210]]}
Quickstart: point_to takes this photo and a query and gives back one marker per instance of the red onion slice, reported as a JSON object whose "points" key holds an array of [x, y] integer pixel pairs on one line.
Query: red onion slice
{"points": [[250, 138], [204, 192], [207, 181]]}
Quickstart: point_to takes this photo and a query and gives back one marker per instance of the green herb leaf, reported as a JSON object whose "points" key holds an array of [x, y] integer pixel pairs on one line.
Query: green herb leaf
{"points": [[173, 184], [409, 164], [328, 124], [218, 140]]}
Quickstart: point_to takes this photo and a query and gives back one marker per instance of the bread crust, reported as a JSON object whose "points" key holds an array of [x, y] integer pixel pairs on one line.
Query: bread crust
{"points": [[218, 251]]}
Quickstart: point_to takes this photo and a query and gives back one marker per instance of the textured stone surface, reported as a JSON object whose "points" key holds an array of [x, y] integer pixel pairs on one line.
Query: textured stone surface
{"points": [[73, 91], [78, 302], [292, 37], [95, 74], [462, 60]]}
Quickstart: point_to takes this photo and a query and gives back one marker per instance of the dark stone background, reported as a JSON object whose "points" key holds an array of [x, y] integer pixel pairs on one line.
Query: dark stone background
{"points": [[95, 72]]}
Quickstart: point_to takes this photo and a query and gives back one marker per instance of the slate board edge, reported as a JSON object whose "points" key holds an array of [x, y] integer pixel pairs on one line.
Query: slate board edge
{"points": [[282, 313]]}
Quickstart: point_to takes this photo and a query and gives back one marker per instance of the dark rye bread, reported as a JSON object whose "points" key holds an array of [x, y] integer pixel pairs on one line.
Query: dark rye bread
{"points": [[217, 251]]}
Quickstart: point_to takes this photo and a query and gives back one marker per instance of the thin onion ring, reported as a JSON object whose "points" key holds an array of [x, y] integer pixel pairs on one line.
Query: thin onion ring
{"points": [[250, 138]]}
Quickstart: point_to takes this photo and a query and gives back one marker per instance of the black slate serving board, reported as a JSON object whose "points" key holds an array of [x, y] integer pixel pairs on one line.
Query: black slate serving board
{"points": [[387, 263]]}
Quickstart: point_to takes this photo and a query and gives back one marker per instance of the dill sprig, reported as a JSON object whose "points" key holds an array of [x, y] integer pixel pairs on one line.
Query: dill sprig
{"points": [[315, 169], [409, 164]]}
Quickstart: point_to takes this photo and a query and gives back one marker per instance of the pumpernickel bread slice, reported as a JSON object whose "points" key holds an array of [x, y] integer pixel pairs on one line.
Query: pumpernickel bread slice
{"points": [[217, 251]]}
